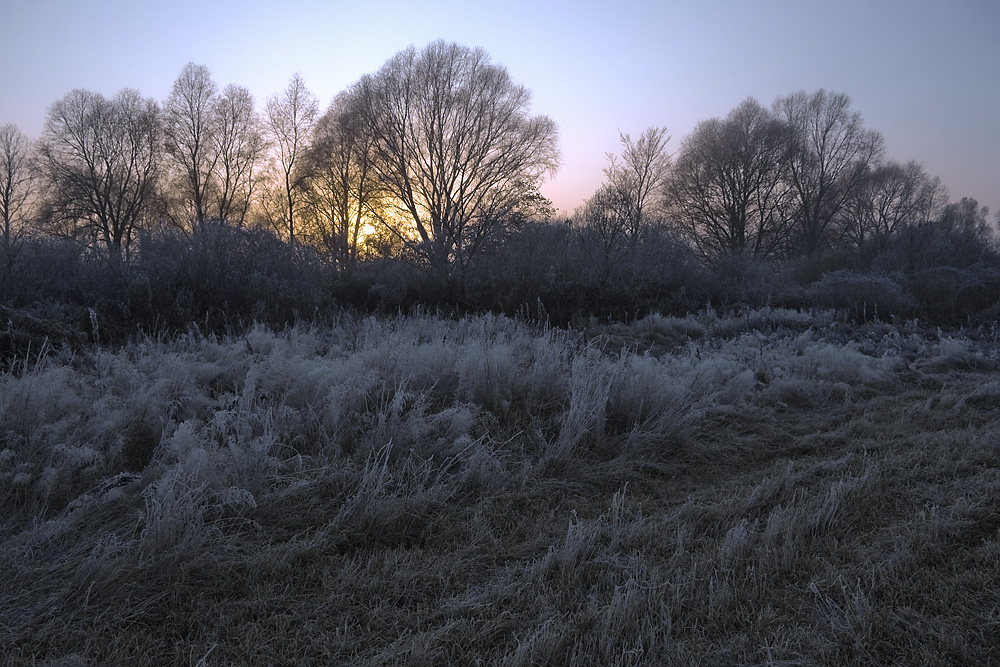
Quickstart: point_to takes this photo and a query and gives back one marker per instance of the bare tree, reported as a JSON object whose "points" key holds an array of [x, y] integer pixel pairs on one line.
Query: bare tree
{"points": [[831, 153], [100, 159], [189, 129], [17, 189], [959, 236], [640, 173], [888, 197], [968, 219], [239, 146], [456, 148], [343, 191], [609, 228], [616, 215], [932, 199], [728, 187], [290, 117]]}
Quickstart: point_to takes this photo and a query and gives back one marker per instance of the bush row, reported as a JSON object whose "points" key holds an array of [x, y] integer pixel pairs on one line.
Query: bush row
{"points": [[221, 279]]}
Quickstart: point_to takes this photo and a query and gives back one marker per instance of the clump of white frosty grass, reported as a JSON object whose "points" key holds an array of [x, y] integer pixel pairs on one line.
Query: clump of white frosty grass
{"points": [[237, 413]]}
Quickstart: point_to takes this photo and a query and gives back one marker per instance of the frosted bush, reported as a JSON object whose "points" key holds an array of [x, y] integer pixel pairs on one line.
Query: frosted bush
{"points": [[543, 378], [985, 396], [394, 416], [21, 483], [793, 391], [250, 463], [738, 543], [261, 340], [840, 363], [182, 441], [484, 469], [425, 366], [234, 411], [454, 424], [951, 353], [761, 320], [653, 403], [70, 457], [686, 327], [48, 400], [70, 472], [341, 414], [238, 498], [319, 380], [721, 379], [393, 496]]}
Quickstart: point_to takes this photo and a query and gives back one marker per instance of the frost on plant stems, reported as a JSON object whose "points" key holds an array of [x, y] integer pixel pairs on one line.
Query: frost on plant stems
{"points": [[659, 481]]}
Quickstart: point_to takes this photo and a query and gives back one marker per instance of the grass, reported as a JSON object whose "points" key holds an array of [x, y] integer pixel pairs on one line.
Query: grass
{"points": [[769, 487]]}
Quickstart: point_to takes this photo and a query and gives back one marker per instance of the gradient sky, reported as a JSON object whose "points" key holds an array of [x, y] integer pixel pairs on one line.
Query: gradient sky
{"points": [[925, 73]]}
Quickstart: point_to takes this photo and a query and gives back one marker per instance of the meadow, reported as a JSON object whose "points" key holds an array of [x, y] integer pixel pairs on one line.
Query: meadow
{"points": [[760, 487]]}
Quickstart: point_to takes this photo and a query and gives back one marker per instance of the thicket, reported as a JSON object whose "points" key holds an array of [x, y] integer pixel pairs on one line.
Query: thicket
{"points": [[221, 279]]}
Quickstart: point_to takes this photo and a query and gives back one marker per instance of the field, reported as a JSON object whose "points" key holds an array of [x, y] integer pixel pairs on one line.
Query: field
{"points": [[766, 487]]}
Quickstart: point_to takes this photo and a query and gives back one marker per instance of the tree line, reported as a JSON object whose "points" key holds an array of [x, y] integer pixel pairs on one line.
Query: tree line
{"points": [[420, 184]]}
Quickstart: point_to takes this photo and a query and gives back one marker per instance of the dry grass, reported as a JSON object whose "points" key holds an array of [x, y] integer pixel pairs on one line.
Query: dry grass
{"points": [[765, 488]]}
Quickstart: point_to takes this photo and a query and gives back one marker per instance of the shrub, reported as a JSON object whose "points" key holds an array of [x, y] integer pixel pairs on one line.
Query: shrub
{"points": [[224, 278], [862, 297], [949, 295]]}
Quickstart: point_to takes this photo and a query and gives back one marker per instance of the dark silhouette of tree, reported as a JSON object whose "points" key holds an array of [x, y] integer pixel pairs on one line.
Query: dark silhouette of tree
{"points": [[343, 191], [967, 223], [240, 147], [189, 127], [729, 185], [456, 149], [100, 160], [888, 197], [831, 152], [17, 189], [289, 120]]}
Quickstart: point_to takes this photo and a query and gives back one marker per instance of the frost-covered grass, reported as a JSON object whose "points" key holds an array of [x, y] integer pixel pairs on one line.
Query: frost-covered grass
{"points": [[768, 487]]}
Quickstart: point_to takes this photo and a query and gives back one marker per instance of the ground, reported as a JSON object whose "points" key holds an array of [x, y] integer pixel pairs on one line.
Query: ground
{"points": [[765, 487]]}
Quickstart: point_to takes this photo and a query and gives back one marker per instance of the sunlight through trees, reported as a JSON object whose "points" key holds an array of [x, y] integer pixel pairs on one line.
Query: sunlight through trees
{"points": [[420, 183], [456, 148]]}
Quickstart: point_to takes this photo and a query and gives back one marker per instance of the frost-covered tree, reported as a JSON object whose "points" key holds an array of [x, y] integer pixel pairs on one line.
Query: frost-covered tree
{"points": [[640, 174], [889, 197]]}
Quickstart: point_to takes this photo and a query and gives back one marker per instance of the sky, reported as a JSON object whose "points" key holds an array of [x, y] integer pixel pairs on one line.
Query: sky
{"points": [[925, 73]]}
